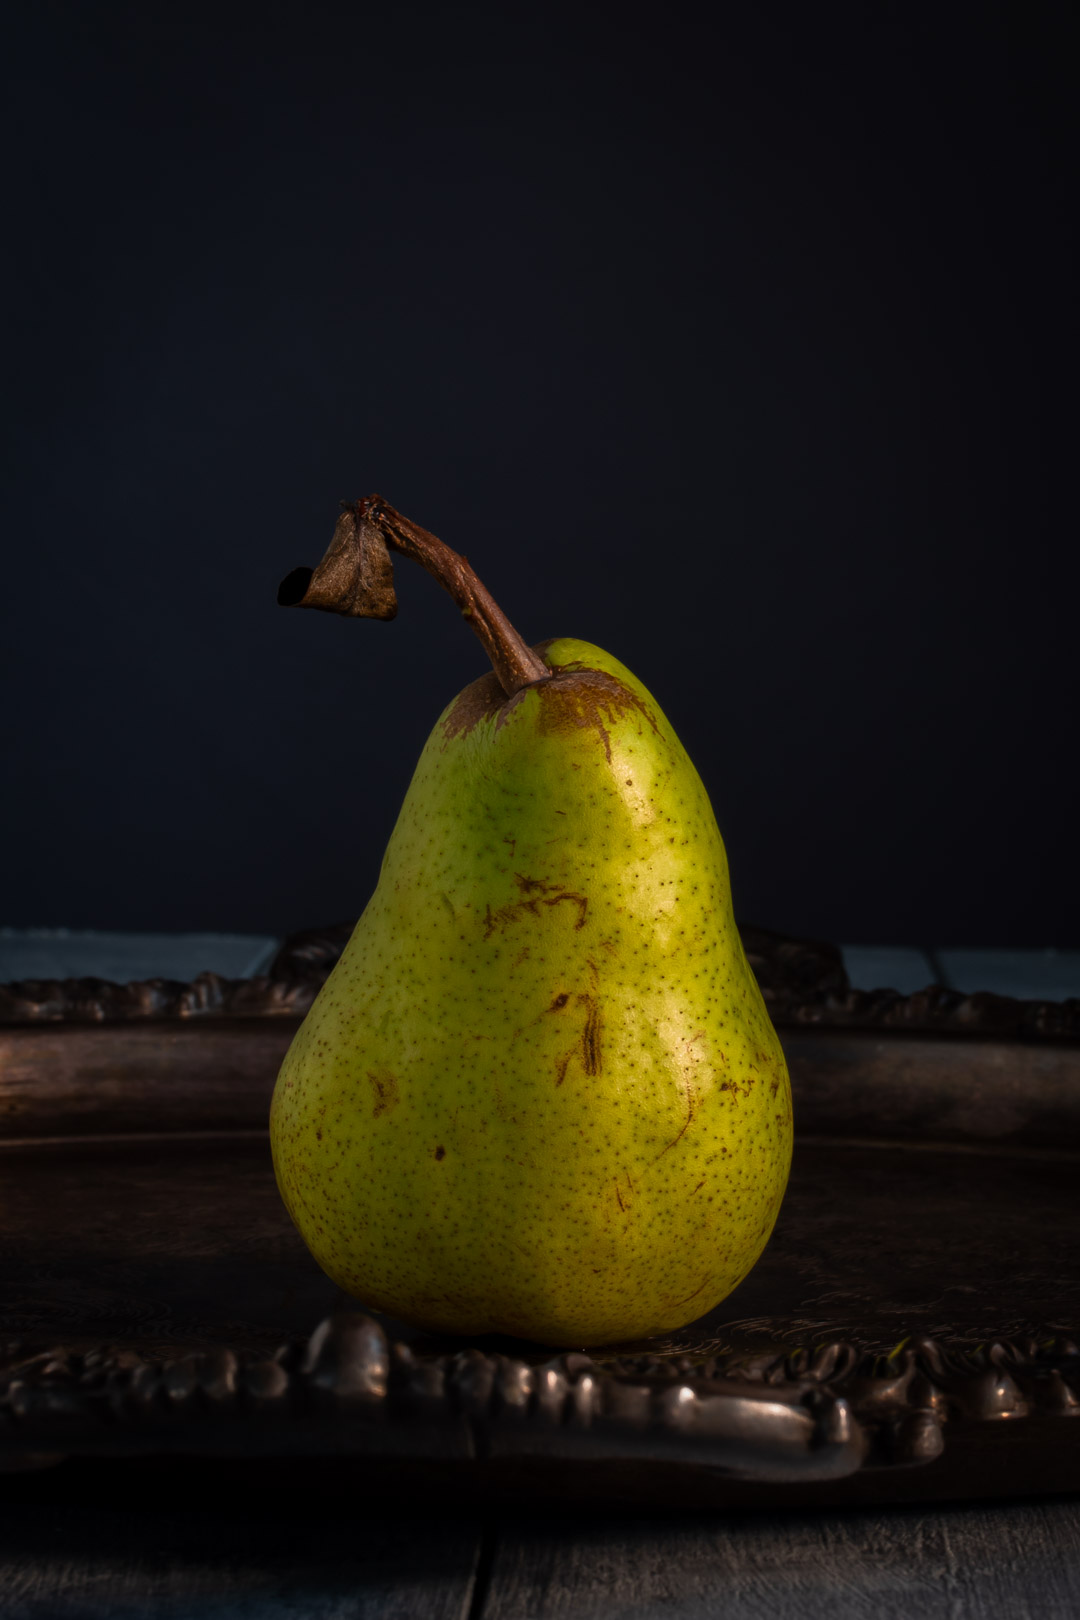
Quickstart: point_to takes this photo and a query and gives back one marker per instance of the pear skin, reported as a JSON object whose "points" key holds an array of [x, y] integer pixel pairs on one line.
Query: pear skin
{"points": [[540, 1093]]}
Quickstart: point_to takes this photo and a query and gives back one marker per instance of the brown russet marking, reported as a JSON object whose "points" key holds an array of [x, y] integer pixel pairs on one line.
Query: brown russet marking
{"points": [[440, 1153], [577, 699], [691, 1104], [587, 1048], [571, 698], [480, 700], [537, 893], [385, 1087], [590, 1037], [685, 1301], [579, 900]]}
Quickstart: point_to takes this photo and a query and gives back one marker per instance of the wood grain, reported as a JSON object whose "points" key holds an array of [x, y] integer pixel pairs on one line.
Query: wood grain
{"points": [[1016, 1563], [62, 1559]]}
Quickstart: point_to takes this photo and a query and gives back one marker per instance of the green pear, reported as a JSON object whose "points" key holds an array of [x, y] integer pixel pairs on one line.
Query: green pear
{"points": [[540, 1093]]}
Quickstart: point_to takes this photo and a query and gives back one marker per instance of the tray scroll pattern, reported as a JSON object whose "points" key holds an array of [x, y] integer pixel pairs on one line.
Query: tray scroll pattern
{"points": [[812, 1414], [803, 982]]}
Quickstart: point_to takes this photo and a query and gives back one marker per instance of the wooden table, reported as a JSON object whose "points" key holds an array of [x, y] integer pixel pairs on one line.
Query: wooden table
{"points": [[77, 1542]]}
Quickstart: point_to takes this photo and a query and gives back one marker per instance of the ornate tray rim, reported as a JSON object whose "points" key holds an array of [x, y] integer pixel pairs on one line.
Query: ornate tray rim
{"points": [[803, 981], [812, 1415]]}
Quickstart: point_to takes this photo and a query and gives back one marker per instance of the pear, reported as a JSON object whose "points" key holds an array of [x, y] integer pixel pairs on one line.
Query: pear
{"points": [[540, 1093]]}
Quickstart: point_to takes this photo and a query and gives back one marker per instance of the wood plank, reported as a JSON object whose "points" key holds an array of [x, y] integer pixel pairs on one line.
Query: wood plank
{"points": [[217, 1560], [1020, 1562]]}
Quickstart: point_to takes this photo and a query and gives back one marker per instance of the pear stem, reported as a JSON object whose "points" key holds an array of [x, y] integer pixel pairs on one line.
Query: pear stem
{"points": [[514, 662]]}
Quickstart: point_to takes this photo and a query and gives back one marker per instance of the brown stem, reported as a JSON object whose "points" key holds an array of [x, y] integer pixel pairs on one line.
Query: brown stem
{"points": [[515, 663], [356, 578]]}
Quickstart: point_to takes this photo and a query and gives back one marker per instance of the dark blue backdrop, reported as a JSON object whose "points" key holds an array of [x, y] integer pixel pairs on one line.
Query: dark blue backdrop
{"points": [[743, 347]]}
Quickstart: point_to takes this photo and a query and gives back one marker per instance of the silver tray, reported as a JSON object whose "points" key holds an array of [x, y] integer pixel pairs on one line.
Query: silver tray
{"points": [[910, 1332]]}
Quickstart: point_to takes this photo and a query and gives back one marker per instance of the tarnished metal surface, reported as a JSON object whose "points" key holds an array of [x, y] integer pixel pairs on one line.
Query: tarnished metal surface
{"points": [[157, 1299]]}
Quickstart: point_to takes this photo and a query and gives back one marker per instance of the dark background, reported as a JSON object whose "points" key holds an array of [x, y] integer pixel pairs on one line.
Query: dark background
{"points": [[742, 346]]}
